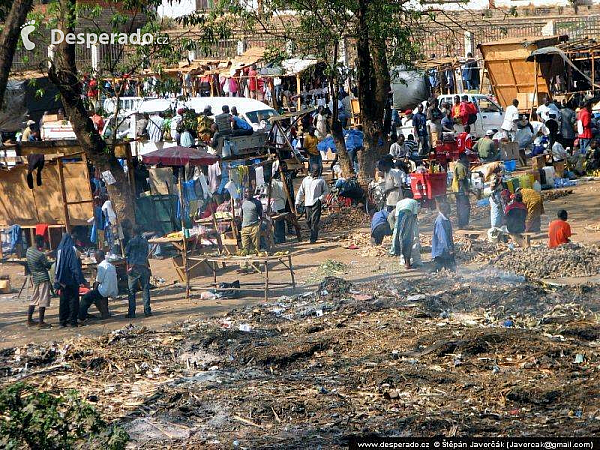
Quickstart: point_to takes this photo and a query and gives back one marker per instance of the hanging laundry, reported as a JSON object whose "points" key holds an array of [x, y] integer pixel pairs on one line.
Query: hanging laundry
{"points": [[260, 177], [34, 161]]}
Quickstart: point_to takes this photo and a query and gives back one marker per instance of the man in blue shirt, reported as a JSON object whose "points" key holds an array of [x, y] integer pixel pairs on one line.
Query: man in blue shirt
{"points": [[420, 126], [442, 243], [138, 271], [380, 226], [239, 125]]}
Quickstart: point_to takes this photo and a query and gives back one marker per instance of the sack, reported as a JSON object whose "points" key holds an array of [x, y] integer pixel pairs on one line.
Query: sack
{"points": [[233, 293], [351, 189], [579, 127], [472, 119]]}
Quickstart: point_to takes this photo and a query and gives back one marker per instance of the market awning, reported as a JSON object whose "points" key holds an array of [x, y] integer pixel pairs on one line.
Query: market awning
{"points": [[296, 65], [180, 156]]}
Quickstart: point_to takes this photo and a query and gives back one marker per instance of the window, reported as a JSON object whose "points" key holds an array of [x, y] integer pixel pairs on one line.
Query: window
{"points": [[256, 116], [486, 105]]}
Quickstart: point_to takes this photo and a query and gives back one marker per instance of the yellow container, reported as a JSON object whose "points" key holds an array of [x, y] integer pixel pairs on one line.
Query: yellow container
{"points": [[513, 185], [526, 181]]}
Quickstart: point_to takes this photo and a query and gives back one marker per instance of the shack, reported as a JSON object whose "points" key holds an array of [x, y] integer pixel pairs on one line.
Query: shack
{"points": [[512, 75]]}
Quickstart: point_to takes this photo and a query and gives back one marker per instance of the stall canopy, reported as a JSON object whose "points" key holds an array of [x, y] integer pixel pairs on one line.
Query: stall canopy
{"points": [[295, 65], [180, 156]]}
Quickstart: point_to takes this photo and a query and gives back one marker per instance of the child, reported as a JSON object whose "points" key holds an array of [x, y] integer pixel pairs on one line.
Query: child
{"points": [[442, 244], [559, 230]]}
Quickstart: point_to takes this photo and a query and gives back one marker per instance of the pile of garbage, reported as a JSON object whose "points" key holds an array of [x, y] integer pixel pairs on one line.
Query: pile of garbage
{"points": [[569, 260], [442, 354], [346, 219]]}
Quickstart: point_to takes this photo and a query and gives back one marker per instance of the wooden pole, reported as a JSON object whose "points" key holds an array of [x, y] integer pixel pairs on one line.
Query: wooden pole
{"points": [[298, 90], [184, 252], [593, 73], [63, 193]]}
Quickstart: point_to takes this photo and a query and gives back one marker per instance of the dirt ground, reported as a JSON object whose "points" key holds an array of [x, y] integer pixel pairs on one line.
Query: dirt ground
{"points": [[361, 346]]}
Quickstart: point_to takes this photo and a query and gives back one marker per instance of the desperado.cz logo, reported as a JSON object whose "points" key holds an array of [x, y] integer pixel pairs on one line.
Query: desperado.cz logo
{"points": [[26, 30], [89, 39]]}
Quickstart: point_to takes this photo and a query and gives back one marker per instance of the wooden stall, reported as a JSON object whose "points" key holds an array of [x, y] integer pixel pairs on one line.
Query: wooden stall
{"points": [[511, 73]]}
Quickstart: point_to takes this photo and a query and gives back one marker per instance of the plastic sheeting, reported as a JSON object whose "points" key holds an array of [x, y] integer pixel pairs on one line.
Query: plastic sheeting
{"points": [[409, 88], [353, 139], [21, 103]]}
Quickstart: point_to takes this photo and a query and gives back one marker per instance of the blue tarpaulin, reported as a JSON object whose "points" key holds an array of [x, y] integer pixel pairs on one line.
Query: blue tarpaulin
{"points": [[353, 138]]}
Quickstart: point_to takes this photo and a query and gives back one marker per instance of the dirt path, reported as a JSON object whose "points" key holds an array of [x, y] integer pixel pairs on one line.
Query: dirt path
{"points": [[170, 306]]}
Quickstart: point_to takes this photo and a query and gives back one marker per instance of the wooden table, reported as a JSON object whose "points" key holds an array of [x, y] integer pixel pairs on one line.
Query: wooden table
{"points": [[256, 262]]}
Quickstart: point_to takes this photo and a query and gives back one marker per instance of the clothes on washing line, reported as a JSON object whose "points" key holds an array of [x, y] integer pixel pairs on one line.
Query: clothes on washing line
{"points": [[42, 229], [34, 161], [16, 237]]}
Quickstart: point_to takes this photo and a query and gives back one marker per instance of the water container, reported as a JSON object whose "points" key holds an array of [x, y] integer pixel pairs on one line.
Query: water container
{"points": [[550, 173], [510, 166], [226, 151], [537, 186]]}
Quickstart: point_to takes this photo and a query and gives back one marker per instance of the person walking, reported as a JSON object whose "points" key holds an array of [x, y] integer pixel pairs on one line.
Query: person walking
{"points": [[442, 242], [38, 268], [420, 128], [138, 271], [461, 182], [511, 117], [312, 192], [584, 126], [403, 236], [68, 277]]}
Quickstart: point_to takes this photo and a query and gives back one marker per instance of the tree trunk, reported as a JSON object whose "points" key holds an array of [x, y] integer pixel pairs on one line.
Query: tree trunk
{"points": [[63, 73], [367, 87], [373, 80], [337, 131], [9, 39]]}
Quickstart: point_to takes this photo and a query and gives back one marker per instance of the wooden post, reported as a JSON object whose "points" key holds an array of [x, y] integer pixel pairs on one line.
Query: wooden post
{"points": [[266, 279], [593, 72], [287, 191], [184, 252], [63, 192], [298, 89]]}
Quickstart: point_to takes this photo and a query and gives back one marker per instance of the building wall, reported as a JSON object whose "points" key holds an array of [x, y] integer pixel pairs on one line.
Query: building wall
{"points": [[176, 8]]}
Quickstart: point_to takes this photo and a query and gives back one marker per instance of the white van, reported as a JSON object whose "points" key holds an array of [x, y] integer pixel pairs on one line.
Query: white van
{"points": [[489, 114], [252, 111]]}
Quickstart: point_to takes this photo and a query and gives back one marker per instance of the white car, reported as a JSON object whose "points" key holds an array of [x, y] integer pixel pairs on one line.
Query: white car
{"points": [[489, 116], [252, 111]]}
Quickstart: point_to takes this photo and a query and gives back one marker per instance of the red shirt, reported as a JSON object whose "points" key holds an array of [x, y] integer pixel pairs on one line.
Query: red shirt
{"points": [[466, 109], [464, 141], [252, 80], [586, 120], [559, 233]]}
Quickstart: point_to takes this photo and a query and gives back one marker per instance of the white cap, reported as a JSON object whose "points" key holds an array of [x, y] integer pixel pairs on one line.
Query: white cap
{"points": [[489, 133], [30, 122]]}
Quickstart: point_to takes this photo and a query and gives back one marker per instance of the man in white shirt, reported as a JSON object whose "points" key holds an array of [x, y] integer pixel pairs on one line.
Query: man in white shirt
{"points": [[155, 128], [104, 287], [175, 121], [398, 149], [279, 199], [312, 192], [511, 117]]}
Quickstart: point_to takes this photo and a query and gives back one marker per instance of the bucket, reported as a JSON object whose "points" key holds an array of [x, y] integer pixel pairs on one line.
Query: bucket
{"points": [[511, 165]]}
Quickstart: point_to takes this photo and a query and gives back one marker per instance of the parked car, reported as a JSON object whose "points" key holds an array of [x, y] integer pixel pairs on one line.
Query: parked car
{"points": [[252, 111], [489, 116]]}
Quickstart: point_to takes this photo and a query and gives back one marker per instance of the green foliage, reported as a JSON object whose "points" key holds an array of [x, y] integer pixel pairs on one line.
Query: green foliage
{"points": [[40, 420]]}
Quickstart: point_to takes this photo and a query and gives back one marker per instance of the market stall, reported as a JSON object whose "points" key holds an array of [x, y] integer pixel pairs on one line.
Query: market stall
{"points": [[181, 157]]}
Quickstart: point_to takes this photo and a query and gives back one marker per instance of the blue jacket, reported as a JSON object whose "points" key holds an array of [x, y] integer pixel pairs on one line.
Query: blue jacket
{"points": [[442, 243]]}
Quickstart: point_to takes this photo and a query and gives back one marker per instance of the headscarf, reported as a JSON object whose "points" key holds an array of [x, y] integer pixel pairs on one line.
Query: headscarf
{"points": [[68, 268]]}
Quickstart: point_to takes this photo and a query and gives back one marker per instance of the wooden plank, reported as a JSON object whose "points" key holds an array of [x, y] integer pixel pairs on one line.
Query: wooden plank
{"points": [[63, 192]]}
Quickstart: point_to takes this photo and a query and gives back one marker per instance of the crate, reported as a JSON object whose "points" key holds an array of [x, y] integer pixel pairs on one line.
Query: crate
{"points": [[428, 185], [449, 149]]}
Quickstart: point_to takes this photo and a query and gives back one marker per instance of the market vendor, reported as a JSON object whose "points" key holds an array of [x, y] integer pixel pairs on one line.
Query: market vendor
{"points": [[592, 157], [461, 181], [486, 147], [104, 288], [515, 215]]}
